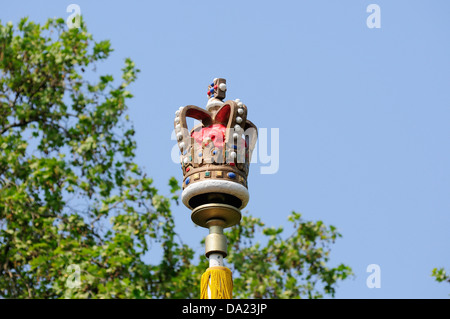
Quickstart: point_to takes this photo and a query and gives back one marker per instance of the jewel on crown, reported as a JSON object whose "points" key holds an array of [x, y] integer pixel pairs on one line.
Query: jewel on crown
{"points": [[215, 155]]}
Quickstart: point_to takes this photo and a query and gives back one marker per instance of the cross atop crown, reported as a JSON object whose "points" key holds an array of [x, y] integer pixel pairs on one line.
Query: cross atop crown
{"points": [[217, 89]]}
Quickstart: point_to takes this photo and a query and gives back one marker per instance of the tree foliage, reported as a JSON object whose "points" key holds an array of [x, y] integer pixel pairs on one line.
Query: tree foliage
{"points": [[72, 194], [285, 267], [440, 275]]}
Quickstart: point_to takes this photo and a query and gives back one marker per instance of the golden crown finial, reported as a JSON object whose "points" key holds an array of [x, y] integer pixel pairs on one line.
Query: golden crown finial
{"points": [[215, 155], [215, 158]]}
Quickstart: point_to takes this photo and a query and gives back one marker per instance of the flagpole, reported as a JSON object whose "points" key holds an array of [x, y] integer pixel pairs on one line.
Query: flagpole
{"points": [[217, 281], [215, 260], [215, 159]]}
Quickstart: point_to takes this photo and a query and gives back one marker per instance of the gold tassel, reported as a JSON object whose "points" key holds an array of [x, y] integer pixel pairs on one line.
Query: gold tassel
{"points": [[220, 282]]}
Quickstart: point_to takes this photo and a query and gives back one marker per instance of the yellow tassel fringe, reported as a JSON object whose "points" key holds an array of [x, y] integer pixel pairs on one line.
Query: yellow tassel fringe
{"points": [[220, 282]]}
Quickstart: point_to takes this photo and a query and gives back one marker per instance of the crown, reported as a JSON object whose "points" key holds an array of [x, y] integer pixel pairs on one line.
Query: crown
{"points": [[215, 154]]}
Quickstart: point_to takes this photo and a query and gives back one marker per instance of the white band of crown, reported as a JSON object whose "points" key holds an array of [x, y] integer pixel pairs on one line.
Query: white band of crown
{"points": [[215, 186]]}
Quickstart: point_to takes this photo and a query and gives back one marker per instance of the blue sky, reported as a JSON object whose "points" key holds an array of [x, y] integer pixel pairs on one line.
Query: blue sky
{"points": [[362, 114]]}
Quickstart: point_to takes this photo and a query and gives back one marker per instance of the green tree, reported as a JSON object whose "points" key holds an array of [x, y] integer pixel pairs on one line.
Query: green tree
{"points": [[440, 275], [72, 194]]}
